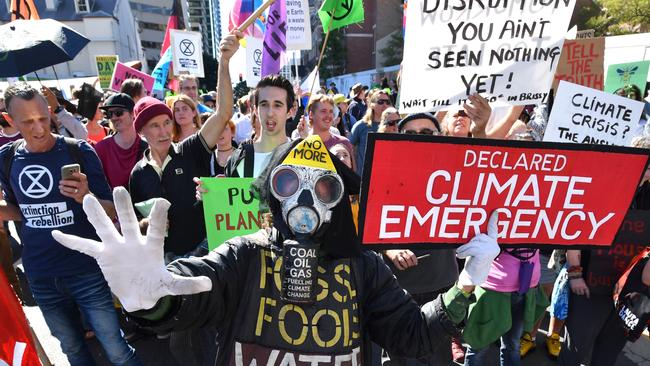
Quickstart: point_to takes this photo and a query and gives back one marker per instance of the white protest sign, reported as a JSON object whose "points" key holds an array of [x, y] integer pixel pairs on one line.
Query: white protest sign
{"points": [[187, 52], [298, 25], [589, 116], [505, 50], [253, 60]]}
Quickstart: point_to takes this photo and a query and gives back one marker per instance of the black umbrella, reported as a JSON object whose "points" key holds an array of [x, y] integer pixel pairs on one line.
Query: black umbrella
{"points": [[30, 45]]}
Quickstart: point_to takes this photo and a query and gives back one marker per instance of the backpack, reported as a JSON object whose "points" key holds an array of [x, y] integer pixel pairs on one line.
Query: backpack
{"points": [[71, 144]]}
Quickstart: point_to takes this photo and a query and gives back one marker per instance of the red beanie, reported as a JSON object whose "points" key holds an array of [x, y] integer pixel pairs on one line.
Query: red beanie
{"points": [[148, 108]]}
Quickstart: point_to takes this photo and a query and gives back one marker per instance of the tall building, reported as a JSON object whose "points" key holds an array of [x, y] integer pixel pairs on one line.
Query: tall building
{"points": [[151, 17], [109, 24], [204, 17]]}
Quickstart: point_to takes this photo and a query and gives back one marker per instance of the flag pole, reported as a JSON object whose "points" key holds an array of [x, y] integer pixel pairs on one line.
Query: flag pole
{"points": [[322, 50], [247, 23]]}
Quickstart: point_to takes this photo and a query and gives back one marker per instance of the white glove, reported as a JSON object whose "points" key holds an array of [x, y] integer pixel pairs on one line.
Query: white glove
{"points": [[479, 254], [133, 265]]}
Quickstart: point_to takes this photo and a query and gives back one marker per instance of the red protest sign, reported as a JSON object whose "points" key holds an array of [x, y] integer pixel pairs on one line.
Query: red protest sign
{"points": [[581, 62], [424, 191]]}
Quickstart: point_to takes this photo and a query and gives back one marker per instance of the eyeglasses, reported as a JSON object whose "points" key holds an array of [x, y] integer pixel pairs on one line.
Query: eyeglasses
{"points": [[116, 112], [424, 131], [384, 102], [391, 123]]}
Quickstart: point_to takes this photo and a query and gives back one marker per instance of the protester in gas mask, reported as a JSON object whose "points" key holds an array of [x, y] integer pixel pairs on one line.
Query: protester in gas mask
{"points": [[302, 289]]}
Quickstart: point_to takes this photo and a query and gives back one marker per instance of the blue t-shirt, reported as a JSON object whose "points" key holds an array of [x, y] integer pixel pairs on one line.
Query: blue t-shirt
{"points": [[34, 181], [359, 138]]}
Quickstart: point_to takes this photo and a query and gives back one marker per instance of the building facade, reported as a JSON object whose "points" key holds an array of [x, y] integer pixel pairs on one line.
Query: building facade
{"points": [[109, 24]]}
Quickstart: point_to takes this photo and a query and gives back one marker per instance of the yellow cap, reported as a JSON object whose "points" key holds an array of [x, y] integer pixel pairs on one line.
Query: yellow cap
{"points": [[310, 152]]}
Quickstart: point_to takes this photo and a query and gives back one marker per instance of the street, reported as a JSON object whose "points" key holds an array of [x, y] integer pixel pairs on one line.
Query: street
{"points": [[153, 351]]}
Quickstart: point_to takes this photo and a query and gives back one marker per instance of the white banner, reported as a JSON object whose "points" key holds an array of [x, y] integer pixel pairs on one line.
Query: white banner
{"points": [[298, 25], [589, 116], [187, 52], [505, 50], [253, 60]]}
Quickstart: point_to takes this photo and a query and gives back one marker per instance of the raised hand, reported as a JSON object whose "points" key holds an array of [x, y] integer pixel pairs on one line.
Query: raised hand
{"points": [[132, 264], [479, 254]]}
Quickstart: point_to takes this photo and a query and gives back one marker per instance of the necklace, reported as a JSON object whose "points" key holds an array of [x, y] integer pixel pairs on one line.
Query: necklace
{"points": [[226, 150]]}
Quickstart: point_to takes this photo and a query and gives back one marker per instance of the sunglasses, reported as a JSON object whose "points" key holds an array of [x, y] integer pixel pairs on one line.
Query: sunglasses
{"points": [[424, 131], [384, 102], [391, 123], [117, 113]]}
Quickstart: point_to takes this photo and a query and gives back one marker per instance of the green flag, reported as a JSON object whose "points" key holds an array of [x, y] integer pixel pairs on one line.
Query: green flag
{"points": [[346, 12]]}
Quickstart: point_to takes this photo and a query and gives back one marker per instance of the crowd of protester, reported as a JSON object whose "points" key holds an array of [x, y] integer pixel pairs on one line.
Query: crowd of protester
{"points": [[160, 148]]}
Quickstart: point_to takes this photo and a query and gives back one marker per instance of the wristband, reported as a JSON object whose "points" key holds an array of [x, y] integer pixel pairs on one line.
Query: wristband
{"points": [[58, 109], [573, 269]]}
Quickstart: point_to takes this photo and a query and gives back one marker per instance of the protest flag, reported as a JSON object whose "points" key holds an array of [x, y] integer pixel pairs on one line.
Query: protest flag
{"points": [[242, 10], [340, 13], [275, 38], [23, 9], [16, 343], [175, 21]]}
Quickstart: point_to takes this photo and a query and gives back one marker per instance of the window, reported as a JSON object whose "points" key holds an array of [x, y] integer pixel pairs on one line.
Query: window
{"points": [[82, 6], [149, 44], [154, 26]]}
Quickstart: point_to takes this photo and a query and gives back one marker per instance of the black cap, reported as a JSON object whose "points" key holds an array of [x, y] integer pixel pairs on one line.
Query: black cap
{"points": [[119, 100], [414, 116]]}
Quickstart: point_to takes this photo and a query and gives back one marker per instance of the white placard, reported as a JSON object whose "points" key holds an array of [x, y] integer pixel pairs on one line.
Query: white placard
{"points": [[505, 50], [298, 25], [187, 52], [253, 60], [589, 116]]}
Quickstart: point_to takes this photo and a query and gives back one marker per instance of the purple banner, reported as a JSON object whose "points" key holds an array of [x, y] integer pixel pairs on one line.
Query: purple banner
{"points": [[275, 38]]}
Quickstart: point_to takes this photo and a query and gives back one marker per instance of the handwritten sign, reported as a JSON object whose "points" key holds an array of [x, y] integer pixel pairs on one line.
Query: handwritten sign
{"points": [[496, 48], [123, 72], [105, 66], [581, 62], [230, 209], [546, 194], [589, 116]]}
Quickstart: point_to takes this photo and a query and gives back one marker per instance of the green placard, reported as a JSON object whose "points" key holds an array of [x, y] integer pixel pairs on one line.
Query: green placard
{"points": [[230, 209], [620, 75], [105, 67]]}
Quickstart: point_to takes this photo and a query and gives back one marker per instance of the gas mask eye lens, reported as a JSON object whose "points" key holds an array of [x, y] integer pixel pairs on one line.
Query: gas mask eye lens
{"points": [[328, 189], [285, 182]]}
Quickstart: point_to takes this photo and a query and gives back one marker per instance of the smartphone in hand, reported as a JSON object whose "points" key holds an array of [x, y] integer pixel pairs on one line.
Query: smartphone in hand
{"points": [[67, 171]]}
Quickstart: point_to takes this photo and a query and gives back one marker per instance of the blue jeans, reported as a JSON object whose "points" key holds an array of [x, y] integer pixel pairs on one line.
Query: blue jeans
{"points": [[510, 342], [61, 298]]}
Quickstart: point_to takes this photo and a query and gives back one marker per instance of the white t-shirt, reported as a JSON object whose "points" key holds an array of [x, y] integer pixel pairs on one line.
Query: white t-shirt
{"points": [[244, 129], [260, 161]]}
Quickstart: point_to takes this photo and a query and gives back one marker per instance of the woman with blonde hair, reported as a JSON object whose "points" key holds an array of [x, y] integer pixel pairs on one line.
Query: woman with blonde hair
{"points": [[378, 100], [187, 120]]}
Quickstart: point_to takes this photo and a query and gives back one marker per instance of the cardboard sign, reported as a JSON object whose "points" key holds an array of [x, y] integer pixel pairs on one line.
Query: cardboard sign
{"points": [[187, 52], [581, 62], [230, 209], [607, 265], [254, 52], [496, 48], [123, 72], [590, 116], [621, 75], [298, 25], [584, 34], [553, 195], [105, 66]]}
